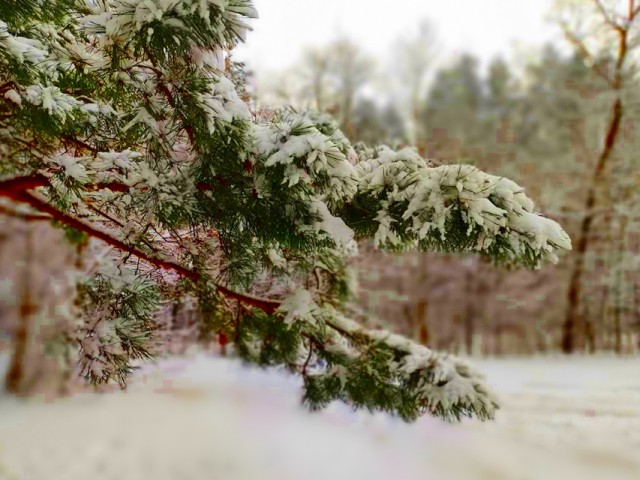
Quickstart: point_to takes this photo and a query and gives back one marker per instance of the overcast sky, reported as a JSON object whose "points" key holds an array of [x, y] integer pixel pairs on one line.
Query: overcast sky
{"points": [[484, 27]]}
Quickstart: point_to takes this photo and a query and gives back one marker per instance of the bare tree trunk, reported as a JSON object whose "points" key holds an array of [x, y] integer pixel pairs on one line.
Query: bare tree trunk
{"points": [[602, 314], [469, 330], [590, 336], [423, 329], [347, 114], [319, 92], [572, 319], [617, 319], [15, 381], [636, 310], [616, 81], [498, 339], [540, 341], [470, 310], [44, 343], [617, 331], [589, 330]]}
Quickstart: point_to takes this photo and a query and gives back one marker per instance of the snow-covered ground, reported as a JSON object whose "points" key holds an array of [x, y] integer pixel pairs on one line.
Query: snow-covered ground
{"points": [[205, 418]]}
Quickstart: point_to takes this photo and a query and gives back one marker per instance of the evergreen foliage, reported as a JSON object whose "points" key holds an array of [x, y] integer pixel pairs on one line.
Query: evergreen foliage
{"points": [[119, 119]]}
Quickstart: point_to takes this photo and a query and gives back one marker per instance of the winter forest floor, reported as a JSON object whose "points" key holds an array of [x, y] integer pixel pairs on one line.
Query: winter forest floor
{"points": [[205, 418]]}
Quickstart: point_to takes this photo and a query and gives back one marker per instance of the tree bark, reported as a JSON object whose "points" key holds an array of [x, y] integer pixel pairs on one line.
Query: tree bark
{"points": [[590, 336], [423, 329], [15, 381], [470, 310], [616, 81], [619, 285], [572, 319]]}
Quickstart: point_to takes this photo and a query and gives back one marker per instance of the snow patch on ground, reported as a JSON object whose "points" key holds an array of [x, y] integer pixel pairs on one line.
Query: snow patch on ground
{"points": [[203, 417]]}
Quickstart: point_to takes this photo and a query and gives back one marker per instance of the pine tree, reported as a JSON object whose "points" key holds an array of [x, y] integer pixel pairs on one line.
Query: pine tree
{"points": [[118, 120]]}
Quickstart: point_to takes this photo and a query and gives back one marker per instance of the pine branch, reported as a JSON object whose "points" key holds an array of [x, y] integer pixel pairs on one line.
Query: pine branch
{"points": [[267, 305], [36, 180], [79, 143], [19, 184], [164, 90], [289, 190]]}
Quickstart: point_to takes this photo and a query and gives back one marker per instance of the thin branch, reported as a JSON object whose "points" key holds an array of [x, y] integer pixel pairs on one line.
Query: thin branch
{"points": [[607, 18], [587, 57], [306, 363], [113, 186], [267, 305], [164, 90], [41, 205], [36, 180], [20, 184], [79, 143], [105, 215]]}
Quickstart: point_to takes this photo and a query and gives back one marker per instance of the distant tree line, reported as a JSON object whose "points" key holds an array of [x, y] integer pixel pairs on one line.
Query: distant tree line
{"points": [[565, 125]]}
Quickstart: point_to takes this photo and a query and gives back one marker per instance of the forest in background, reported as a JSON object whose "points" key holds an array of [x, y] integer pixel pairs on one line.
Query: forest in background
{"points": [[562, 122], [162, 206]]}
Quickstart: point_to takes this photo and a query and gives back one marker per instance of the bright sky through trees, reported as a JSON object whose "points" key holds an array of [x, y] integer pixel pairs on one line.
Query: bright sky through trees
{"points": [[485, 28]]}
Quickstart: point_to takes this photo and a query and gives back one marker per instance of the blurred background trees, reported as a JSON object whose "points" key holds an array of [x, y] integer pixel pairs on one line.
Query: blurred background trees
{"points": [[562, 121]]}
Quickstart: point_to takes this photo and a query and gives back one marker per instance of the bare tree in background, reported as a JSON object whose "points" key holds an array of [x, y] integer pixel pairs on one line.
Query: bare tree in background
{"points": [[415, 58], [351, 69], [330, 79], [42, 313], [316, 74], [594, 27]]}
